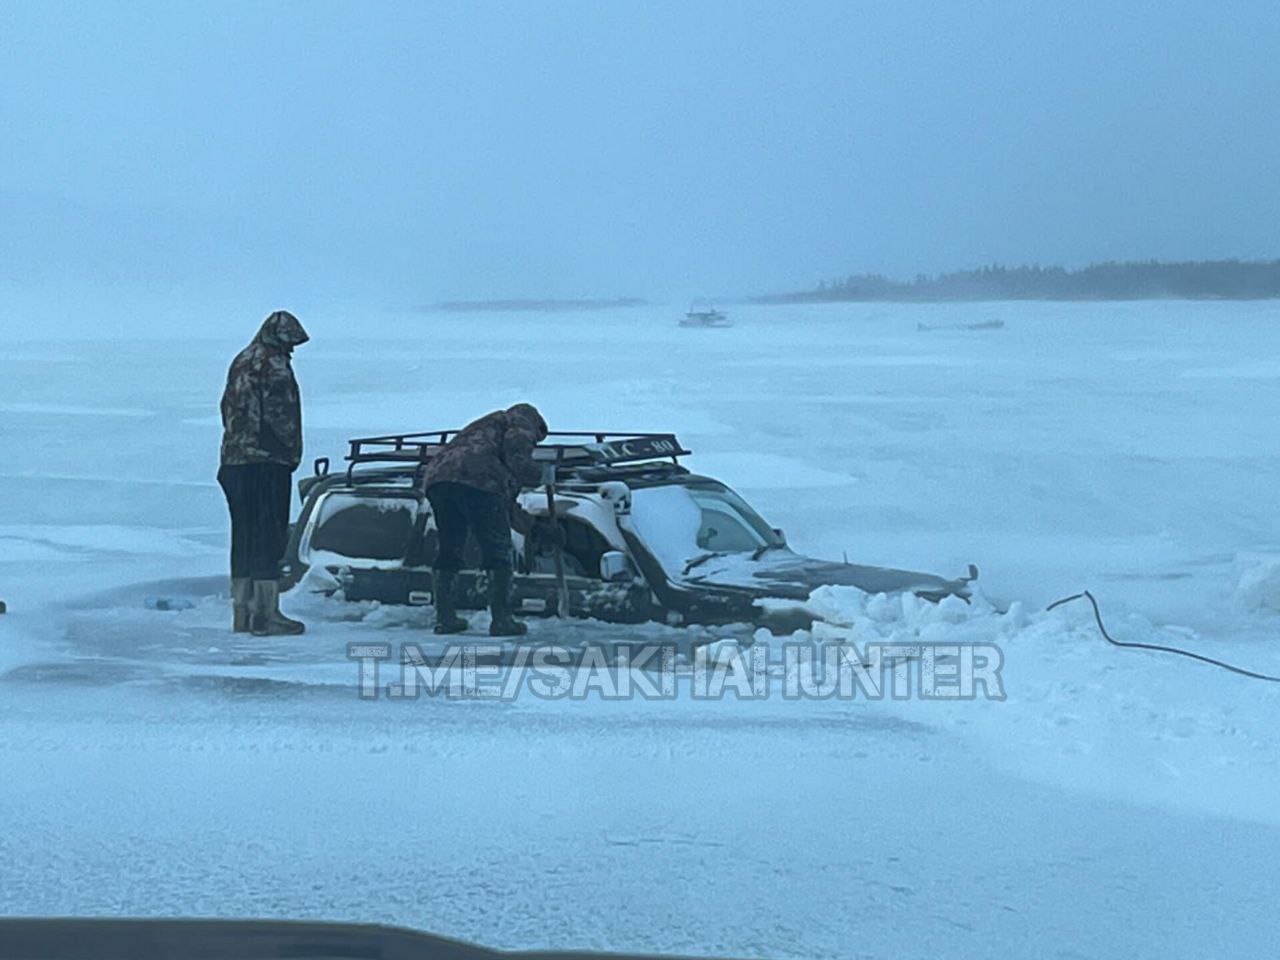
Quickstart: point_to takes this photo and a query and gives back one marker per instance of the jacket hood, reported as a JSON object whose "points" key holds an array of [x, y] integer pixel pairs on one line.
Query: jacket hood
{"points": [[281, 330], [528, 414]]}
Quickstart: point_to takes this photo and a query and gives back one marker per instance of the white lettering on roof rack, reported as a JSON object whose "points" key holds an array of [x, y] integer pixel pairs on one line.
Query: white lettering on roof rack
{"points": [[641, 447]]}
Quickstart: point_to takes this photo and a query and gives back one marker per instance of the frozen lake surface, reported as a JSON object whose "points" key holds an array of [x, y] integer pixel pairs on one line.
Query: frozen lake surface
{"points": [[1118, 803]]}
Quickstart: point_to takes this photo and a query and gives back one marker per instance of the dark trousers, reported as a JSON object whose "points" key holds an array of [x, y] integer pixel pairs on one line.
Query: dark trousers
{"points": [[258, 495], [457, 508]]}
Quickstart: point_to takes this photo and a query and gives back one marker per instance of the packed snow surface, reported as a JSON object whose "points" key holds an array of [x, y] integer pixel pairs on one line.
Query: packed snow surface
{"points": [[1115, 803]]}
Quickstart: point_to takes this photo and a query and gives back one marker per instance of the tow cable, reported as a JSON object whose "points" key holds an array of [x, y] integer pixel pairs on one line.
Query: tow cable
{"points": [[1097, 616]]}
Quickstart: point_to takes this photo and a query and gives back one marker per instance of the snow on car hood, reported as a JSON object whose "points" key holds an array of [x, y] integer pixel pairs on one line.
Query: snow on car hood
{"points": [[784, 573]]}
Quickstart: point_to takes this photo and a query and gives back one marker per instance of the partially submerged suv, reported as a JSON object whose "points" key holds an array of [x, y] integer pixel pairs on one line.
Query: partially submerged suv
{"points": [[643, 538]]}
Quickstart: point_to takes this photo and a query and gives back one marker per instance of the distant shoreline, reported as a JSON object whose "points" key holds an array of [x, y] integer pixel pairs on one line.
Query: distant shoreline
{"points": [[1146, 280], [1201, 280], [782, 299]]}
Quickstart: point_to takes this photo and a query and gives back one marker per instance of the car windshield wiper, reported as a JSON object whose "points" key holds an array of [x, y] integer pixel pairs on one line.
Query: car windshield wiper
{"points": [[764, 548], [699, 560]]}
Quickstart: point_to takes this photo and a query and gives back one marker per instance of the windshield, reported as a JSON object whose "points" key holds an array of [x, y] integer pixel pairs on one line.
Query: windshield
{"points": [[683, 524]]}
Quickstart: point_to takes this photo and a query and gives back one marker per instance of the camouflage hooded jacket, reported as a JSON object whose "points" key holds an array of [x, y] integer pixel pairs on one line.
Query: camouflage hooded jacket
{"points": [[261, 408], [494, 453]]}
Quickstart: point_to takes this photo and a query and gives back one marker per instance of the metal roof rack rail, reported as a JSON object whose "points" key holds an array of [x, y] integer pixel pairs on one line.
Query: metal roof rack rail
{"points": [[566, 449]]}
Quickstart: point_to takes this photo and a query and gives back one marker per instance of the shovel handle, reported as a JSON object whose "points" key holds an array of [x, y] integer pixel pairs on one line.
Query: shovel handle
{"points": [[562, 585]]}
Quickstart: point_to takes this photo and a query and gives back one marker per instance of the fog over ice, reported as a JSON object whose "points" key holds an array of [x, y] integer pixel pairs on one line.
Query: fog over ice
{"points": [[192, 165]]}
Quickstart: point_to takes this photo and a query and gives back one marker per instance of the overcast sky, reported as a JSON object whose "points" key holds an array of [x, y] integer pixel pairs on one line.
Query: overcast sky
{"points": [[416, 152]]}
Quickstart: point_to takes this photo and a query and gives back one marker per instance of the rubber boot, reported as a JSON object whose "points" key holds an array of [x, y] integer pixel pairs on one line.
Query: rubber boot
{"points": [[241, 599], [503, 624], [265, 619], [445, 584]]}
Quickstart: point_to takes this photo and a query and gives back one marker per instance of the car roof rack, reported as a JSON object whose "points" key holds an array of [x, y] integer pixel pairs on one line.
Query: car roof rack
{"points": [[569, 450]]}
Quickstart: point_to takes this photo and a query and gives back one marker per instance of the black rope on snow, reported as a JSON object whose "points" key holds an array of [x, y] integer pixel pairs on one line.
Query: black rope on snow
{"points": [[1097, 616]]}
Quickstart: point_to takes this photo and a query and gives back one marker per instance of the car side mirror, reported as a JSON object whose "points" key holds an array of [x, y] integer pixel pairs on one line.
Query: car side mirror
{"points": [[781, 535], [614, 566]]}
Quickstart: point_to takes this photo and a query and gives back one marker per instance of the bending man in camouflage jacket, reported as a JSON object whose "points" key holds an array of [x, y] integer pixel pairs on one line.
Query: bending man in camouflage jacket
{"points": [[261, 447], [473, 483]]}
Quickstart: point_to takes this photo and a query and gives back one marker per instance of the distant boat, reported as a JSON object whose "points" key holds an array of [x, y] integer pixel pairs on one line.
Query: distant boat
{"points": [[982, 325], [706, 318]]}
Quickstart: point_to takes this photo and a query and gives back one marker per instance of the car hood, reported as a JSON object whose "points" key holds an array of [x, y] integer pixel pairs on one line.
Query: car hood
{"points": [[783, 573]]}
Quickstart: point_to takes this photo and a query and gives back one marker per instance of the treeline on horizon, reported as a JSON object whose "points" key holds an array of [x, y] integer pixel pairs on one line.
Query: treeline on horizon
{"points": [[1146, 280]]}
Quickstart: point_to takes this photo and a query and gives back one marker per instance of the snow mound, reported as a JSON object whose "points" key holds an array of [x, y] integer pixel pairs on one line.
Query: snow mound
{"points": [[1258, 588], [842, 612]]}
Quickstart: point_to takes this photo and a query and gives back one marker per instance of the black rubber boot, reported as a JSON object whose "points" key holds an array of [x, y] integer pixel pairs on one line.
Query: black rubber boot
{"points": [[265, 618], [444, 583], [503, 624]]}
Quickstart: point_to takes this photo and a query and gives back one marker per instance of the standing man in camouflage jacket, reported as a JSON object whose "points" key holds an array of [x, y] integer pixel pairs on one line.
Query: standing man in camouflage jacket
{"points": [[473, 482], [261, 447]]}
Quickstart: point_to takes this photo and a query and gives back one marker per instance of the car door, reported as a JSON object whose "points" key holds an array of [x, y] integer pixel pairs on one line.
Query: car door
{"points": [[537, 586]]}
